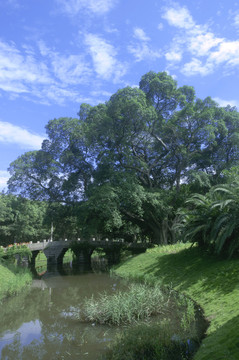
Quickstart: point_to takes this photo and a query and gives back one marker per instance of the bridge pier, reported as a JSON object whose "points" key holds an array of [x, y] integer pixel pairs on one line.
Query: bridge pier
{"points": [[82, 256], [32, 261], [54, 254], [113, 256]]}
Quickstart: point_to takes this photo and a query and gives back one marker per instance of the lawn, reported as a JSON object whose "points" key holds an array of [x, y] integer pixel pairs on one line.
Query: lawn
{"points": [[212, 282]]}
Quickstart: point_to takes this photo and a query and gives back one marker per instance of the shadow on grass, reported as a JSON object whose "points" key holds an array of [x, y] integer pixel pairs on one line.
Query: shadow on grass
{"points": [[190, 266], [223, 343]]}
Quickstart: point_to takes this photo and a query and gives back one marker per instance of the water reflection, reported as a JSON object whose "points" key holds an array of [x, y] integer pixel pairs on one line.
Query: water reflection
{"points": [[40, 323]]}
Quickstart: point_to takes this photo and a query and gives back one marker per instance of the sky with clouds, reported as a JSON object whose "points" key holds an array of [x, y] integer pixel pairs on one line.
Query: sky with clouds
{"points": [[55, 55]]}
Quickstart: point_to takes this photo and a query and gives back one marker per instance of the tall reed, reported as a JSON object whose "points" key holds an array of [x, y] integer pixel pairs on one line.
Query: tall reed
{"points": [[124, 307]]}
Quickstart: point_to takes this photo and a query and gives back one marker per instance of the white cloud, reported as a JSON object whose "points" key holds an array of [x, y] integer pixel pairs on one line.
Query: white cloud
{"points": [[201, 42], [173, 55], [42, 75], [44, 49], [140, 49], [207, 50], [224, 103], [140, 34], [195, 67], [4, 176], [179, 17], [104, 58], [227, 52], [101, 93], [10, 133], [98, 7], [70, 69], [17, 70]]}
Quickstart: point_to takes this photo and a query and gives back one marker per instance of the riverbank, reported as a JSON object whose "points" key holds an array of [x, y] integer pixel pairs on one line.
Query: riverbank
{"points": [[13, 279], [213, 283]]}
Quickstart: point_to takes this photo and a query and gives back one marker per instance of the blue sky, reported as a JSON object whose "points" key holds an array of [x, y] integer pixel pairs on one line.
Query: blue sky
{"points": [[57, 54]]}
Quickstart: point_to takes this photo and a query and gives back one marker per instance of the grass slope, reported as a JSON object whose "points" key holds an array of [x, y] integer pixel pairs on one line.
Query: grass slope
{"points": [[12, 279], [211, 282]]}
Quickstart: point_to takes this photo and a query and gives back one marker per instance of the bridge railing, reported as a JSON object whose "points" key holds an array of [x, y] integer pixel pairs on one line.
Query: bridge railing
{"points": [[41, 245]]}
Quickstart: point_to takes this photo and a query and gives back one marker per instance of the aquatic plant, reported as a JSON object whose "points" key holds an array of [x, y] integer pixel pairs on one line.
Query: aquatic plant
{"points": [[140, 302], [151, 342]]}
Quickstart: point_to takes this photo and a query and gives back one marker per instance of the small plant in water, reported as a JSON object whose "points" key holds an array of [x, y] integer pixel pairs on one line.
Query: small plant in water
{"points": [[151, 342], [189, 315], [140, 302]]}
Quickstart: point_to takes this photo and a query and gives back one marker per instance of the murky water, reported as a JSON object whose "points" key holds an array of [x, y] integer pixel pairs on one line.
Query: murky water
{"points": [[40, 323]]}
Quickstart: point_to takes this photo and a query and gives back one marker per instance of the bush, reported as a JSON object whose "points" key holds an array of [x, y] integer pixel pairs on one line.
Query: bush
{"points": [[21, 250]]}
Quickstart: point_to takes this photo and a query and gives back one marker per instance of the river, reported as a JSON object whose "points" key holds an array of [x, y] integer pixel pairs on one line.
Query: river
{"points": [[40, 322]]}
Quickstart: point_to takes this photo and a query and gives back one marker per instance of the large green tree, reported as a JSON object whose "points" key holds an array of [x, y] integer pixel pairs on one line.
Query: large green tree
{"points": [[129, 163]]}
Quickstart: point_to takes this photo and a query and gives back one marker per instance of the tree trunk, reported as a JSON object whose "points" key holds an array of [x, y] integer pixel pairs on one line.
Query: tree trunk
{"points": [[160, 233]]}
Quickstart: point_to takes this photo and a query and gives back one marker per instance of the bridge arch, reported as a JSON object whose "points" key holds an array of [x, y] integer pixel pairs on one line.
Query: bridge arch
{"points": [[82, 249]]}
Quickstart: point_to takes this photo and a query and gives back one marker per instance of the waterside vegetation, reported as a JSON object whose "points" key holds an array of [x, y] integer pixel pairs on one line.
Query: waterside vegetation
{"points": [[160, 323], [210, 281], [13, 279], [125, 307]]}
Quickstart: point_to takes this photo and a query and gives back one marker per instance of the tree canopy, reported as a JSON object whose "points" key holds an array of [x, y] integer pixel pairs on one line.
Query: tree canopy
{"points": [[127, 165]]}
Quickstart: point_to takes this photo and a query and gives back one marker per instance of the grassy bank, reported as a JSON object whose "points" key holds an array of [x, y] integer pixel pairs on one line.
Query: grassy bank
{"points": [[12, 279], [211, 282]]}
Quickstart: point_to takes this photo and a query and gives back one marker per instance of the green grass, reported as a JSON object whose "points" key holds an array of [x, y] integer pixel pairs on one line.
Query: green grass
{"points": [[13, 279], [139, 302], [213, 283]]}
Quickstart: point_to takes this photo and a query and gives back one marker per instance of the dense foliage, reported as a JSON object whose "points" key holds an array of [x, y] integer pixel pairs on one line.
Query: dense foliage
{"points": [[24, 220], [21, 220], [212, 220], [125, 167]]}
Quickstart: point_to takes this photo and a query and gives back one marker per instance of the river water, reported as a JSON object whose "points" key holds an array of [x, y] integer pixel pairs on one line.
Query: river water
{"points": [[40, 322]]}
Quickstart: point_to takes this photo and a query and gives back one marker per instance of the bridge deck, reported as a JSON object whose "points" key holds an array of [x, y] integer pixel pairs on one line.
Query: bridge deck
{"points": [[93, 243]]}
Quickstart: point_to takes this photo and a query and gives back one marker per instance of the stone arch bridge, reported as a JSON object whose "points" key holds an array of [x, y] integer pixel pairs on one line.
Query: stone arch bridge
{"points": [[82, 249]]}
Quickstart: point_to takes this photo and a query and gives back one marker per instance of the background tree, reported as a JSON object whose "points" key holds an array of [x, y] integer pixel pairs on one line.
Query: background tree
{"points": [[22, 220]]}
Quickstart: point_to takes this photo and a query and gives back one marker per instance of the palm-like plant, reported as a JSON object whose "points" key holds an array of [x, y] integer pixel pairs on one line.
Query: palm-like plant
{"points": [[225, 229], [212, 220]]}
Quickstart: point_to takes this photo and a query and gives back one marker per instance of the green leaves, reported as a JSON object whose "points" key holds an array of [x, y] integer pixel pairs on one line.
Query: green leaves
{"points": [[22, 220], [212, 220], [131, 162]]}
